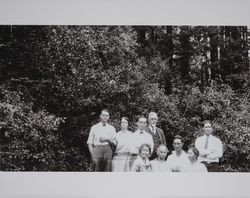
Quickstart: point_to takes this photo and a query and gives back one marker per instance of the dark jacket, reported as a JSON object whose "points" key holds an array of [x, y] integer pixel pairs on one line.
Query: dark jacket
{"points": [[160, 134]]}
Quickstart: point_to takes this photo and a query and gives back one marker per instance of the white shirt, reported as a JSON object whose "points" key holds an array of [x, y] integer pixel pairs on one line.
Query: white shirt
{"points": [[159, 166], [124, 140], [151, 129], [196, 167], [139, 138], [98, 130], [214, 149], [178, 163]]}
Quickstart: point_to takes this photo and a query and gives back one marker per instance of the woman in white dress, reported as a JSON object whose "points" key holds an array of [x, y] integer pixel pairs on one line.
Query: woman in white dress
{"points": [[195, 165], [122, 140], [159, 164]]}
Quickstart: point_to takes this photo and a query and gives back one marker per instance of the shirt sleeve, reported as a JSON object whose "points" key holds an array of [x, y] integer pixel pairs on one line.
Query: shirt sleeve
{"points": [[163, 139], [199, 145], [91, 136], [218, 150], [112, 132]]}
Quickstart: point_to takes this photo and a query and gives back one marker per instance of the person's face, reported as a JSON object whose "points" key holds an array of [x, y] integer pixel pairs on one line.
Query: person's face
{"points": [[152, 120], [142, 123], [124, 124], [178, 145], [162, 153], [104, 116], [145, 152], [191, 155], [208, 128]]}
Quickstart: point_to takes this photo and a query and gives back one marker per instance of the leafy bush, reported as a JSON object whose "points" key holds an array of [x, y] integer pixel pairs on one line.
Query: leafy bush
{"points": [[29, 140]]}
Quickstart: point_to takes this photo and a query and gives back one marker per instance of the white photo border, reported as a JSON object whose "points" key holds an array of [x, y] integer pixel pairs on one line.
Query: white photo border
{"points": [[121, 12]]}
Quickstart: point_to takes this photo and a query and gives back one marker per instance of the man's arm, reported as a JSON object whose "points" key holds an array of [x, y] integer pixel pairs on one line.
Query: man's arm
{"points": [[111, 139], [90, 143], [90, 146], [163, 139], [217, 152], [203, 152]]}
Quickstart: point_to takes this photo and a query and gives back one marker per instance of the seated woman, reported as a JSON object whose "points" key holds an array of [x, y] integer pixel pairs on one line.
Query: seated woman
{"points": [[142, 163], [122, 141], [195, 165], [159, 164]]}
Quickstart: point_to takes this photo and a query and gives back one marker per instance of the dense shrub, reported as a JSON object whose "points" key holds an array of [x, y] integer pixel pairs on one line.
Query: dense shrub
{"points": [[29, 140]]}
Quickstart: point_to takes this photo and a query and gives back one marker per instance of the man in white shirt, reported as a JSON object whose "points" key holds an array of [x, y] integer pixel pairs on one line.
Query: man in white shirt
{"points": [[178, 161], [210, 148], [140, 136], [100, 138], [157, 133]]}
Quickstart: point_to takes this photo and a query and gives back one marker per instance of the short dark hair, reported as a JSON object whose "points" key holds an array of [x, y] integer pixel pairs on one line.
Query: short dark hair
{"points": [[207, 121], [145, 145], [105, 110], [179, 137], [125, 118], [139, 117], [195, 150]]}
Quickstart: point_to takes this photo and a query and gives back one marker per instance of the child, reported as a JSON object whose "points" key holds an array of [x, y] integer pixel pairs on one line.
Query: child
{"points": [[159, 164], [142, 163]]}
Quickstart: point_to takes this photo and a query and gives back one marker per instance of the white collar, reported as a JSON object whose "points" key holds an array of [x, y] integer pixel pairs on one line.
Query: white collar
{"points": [[140, 132], [151, 128], [210, 136], [174, 152], [101, 124]]}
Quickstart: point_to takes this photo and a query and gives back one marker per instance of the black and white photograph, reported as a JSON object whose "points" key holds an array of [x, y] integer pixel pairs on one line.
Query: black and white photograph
{"points": [[116, 99], [125, 98]]}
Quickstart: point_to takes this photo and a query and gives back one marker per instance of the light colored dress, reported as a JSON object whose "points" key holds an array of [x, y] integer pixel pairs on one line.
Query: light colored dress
{"points": [[140, 165], [120, 162], [196, 167], [159, 166]]}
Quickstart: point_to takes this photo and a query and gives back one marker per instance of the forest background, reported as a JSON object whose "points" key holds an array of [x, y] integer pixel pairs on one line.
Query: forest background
{"points": [[54, 80]]}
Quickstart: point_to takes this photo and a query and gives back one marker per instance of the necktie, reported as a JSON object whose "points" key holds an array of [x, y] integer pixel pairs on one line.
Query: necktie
{"points": [[153, 129], [206, 144]]}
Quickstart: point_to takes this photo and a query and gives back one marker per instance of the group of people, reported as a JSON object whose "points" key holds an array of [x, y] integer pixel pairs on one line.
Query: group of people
{"points": [[145, 150]]}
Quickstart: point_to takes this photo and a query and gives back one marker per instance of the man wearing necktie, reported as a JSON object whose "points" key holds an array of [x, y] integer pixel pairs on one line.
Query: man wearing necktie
{"points": [[140, 136], [100, 139], [210, 148], [156, 133]]}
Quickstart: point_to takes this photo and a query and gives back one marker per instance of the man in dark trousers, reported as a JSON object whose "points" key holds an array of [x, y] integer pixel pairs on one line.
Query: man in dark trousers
{"points": [[101, 137], [210, 148], [157, 133]]}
